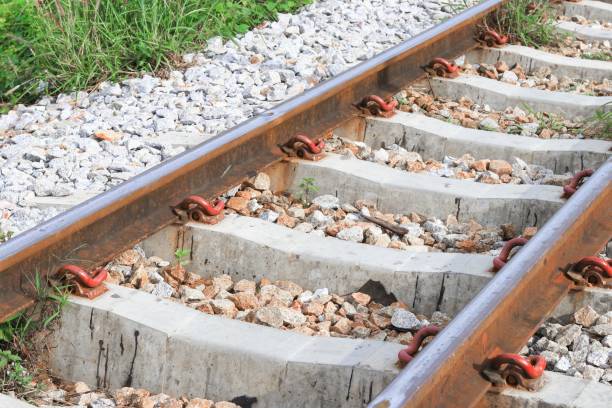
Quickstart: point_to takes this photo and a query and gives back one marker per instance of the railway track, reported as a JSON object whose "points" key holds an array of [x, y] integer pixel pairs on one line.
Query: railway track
{"points": [[381, 211]]}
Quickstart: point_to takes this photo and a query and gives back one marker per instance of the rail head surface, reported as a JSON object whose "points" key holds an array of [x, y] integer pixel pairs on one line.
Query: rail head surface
{"points": [[507, 311], [109, 223]]}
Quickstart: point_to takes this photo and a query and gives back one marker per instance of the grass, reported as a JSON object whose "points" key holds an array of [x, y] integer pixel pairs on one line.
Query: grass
{"points": [[530, 26], [13, 375], [182, 256], [52, 46], [600, 55], [600, 124], [5, 235], [307, 187], [15, 336], [546, 120]]}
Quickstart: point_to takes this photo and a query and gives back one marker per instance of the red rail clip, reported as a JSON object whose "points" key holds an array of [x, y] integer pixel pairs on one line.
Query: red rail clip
{"points": [[200, 210], [500, 260], [375, 105], [570, 188], [442, 68], [492, 38], [515, 370], [406, 355], [86, 284], [592, 271], [304, 147]]}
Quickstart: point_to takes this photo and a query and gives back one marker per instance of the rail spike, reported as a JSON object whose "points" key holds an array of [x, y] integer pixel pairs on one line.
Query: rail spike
{"points": [[514, 370], [196, 208]]}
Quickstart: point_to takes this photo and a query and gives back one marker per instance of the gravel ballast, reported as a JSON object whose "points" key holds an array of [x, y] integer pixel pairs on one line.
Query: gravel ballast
{"points": [[55, 393], [90, 142], [281, 304], [580, 348], [361, 221], [541, 78], [518, 120], [466, 167]]}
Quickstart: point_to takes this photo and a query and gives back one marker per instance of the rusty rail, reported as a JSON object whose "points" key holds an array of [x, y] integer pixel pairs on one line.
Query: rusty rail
{"points": [[96, 230], [503, 316]]}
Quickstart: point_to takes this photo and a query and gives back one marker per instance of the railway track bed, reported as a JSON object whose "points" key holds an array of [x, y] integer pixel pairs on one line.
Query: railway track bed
{"points": [[267, 268]]}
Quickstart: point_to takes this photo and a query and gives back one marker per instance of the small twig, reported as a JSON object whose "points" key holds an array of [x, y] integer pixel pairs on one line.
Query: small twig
{"points": [[401, 231]]}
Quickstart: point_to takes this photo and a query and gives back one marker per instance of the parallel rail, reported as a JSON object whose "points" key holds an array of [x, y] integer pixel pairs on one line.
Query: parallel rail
{"points": [[503, 316], [500, 319]]}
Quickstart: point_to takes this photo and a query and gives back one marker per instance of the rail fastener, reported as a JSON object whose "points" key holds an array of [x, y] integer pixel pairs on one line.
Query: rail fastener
{"points": [[592, 271], [304, 147], [500, 260], [514, 370], [570, 188], [492, 38], [377, 106], [85, 284], [442, 68], [406, 355], [196, 208]]}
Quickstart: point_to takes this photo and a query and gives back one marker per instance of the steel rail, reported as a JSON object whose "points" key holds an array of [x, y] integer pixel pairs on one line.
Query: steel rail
{"points": [[510, 308], [94, 231]]}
